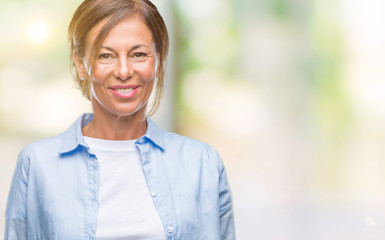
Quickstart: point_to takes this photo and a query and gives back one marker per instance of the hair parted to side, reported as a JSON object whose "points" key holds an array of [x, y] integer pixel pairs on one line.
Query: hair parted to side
{"points": [[92, 12]]}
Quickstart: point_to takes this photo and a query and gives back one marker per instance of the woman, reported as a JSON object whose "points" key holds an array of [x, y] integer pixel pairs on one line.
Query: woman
{"points": [[114, 174]]}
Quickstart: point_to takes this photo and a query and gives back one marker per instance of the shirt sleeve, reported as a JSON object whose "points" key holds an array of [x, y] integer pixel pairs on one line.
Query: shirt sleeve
{"points": [[226, 216], [15, 220]]}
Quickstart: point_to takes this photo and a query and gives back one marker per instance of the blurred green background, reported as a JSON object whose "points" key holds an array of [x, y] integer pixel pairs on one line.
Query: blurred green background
{"points": [[290, 92]]}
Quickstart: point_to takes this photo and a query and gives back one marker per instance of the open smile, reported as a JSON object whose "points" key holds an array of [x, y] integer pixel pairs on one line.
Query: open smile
{"points": [[124, 91]]}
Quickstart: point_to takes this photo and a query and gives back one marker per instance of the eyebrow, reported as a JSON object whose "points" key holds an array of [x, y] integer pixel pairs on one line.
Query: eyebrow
{"points": [[133, 48]]}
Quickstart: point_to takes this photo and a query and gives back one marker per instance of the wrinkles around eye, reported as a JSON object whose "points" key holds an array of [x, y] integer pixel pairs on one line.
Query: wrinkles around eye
{"points": [[135, 57], [105, 56], [139, 56]]}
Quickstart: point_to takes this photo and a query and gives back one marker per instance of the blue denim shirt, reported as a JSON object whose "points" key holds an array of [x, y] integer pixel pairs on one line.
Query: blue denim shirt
{"points": [[54, 191]]}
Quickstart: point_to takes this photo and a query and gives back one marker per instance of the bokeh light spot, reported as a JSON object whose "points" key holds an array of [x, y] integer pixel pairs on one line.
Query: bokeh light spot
{"points": [[38, 32], [370, 221]]}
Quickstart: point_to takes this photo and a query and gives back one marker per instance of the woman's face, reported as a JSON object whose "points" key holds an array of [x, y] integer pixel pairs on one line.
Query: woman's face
{"points": [[125, 69]]}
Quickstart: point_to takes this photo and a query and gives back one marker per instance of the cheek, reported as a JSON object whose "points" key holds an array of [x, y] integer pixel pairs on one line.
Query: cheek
{"points": [[147, 70], [101, 72]]}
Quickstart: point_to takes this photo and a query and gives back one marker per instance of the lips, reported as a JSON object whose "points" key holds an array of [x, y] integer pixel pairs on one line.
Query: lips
{"points": [[124, 91]]}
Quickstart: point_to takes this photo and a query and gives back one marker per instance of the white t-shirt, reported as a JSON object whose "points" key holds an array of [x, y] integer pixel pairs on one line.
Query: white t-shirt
{"points": [[126, 210]]}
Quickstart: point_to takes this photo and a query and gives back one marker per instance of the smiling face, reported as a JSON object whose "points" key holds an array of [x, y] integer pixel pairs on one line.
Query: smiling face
{"points": [[124, 71]]}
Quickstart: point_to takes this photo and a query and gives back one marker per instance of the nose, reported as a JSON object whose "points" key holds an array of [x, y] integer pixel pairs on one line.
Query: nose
{"points": [[124, 69]]}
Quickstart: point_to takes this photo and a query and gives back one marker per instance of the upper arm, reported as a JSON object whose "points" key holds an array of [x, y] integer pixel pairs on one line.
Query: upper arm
{"points": [[226, 215], [15, 227]]}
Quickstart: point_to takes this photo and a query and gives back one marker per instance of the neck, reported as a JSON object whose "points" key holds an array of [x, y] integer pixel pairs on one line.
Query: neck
{"points": [[112, 127]]}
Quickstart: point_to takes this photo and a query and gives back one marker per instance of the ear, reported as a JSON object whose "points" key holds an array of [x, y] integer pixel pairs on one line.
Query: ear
{"points": [[157, 66], [157, 72], [79, 64]]}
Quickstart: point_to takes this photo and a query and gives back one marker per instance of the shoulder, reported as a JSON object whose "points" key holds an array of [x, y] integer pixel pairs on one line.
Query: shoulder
{"points": [[55, 144], [47, 144], [41, 150], [171, 138], [191, 149], [178, 144]]}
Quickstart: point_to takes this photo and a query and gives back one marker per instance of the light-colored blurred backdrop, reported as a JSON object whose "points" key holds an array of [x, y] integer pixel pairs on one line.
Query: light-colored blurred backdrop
{"points": [[290, 92]]}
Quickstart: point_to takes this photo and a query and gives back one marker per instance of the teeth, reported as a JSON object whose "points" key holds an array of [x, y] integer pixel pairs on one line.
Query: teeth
{"points": [[123, 90]]}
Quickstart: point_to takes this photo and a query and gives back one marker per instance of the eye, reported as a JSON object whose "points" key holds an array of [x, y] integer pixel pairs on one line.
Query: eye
{"points": [[139, 56], [105, 56]]}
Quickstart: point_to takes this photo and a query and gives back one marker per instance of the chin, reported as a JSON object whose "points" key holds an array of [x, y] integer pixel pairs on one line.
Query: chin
{"points": [[130, 112]]}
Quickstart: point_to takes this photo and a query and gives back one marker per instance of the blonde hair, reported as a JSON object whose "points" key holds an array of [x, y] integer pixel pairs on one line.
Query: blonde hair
{"points": [[92, 12]]}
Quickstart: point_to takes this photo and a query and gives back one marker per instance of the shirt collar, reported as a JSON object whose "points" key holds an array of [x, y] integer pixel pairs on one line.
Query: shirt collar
{"points": [[73, 137], [154, 134]]}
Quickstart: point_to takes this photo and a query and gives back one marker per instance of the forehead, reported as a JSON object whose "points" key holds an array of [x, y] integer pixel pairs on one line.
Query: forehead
{"points": [[130, 28]]}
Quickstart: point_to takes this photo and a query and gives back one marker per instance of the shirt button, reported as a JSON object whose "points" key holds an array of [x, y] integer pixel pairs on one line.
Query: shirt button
{"points": [[169, 229], [141, 141], [154, 194], [145, 154]]}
